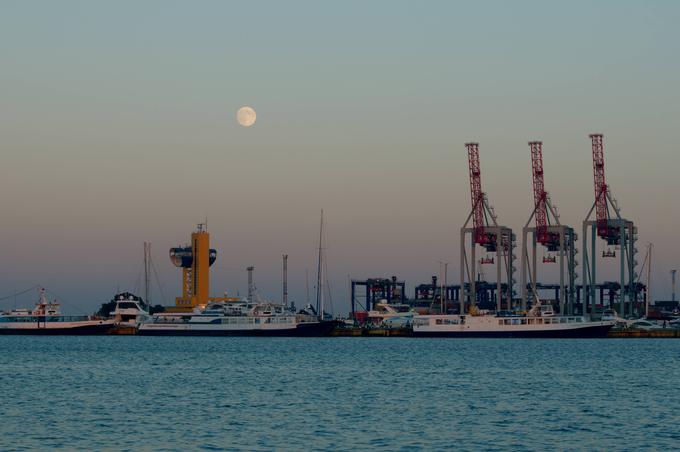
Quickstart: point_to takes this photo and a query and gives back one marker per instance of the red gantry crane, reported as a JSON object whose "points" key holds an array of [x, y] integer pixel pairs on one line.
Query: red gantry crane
{"points": [[550, 234], [488, 234], [615, 231]]}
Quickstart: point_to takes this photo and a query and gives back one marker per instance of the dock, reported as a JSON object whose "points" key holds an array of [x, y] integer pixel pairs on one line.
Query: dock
{"points": [[372, 332], [666, 333]]}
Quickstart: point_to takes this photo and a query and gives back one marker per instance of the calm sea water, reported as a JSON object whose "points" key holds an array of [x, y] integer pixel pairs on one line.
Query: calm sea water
{"points": [[146, 393]]}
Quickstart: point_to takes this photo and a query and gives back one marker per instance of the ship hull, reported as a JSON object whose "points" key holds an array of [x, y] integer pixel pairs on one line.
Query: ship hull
{"points": [[77, 330], [302, 330], [586, 332]]}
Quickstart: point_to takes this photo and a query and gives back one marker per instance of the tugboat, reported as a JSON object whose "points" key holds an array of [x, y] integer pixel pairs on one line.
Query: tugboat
{"points": [[236, 319], [46, 318], [540, 321]]}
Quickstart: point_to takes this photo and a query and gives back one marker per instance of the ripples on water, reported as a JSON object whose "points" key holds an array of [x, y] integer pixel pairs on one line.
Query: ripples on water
{"points": [[151, 393]]}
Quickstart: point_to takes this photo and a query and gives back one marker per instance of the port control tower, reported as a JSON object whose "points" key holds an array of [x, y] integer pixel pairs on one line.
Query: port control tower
{"points": [[195, 262]]}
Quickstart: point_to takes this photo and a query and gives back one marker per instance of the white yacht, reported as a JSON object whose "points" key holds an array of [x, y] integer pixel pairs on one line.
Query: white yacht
{"points": [[128, 312], [533, 324], [236, 319], [391, 313], [46, 318]]}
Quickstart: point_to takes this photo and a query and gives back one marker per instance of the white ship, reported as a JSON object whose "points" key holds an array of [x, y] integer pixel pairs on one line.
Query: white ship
{"points": [[391, 313], [128, 312], [236, 319], [46, 318], [539, 322]]}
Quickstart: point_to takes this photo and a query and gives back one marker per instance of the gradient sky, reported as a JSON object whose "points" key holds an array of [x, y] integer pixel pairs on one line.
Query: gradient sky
{"points": [[117, 125]]}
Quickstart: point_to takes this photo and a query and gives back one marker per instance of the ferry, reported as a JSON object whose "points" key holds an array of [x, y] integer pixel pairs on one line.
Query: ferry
{"points": [[534, 324], [236, 319], [46, 318]]}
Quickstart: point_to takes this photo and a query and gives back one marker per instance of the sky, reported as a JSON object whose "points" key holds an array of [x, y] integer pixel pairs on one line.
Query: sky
{"points": [[118, 126]]}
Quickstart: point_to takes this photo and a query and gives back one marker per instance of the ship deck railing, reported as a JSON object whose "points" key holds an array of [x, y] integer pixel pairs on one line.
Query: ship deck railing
{"points": [[41, 319], [238, 320], [461, 320], [540, 320]]}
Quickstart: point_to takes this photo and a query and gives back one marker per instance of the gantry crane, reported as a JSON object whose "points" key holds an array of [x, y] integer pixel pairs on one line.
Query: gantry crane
{"points": [[552, 235], [486, 233], [615, 231]]}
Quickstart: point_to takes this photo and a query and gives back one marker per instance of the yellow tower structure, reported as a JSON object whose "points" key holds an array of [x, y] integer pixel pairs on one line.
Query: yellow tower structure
{"points": [[195, 262]]}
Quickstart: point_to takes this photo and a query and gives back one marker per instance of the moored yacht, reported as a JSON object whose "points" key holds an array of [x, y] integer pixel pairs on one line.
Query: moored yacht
{"points": [[129, 312], [46, 318], [391, 313]]}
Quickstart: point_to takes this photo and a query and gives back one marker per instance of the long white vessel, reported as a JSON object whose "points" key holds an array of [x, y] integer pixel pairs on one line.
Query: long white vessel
{"points": [[537, 323], [46, 318], [236, 319]]}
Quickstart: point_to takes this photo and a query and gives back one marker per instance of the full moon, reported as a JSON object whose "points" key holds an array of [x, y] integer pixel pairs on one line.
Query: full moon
{"points": [[246, 116]]}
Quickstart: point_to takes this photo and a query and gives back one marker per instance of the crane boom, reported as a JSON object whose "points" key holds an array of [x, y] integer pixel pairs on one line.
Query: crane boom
{"points": [[540, 195], [477, 196], [600, 186]]}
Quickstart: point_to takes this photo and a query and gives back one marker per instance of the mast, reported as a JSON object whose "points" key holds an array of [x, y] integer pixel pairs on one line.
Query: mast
{"points": [[649, 278], [285, 280], [147, 273], [251, 291], [319, 272], [673, 272]]}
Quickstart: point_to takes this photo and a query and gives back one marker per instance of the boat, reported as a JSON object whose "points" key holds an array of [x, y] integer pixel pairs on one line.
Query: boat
{"points": [[240, 318], [645, 324], [128, 312], [395, 314], [46, 318], [612, 315], [530, 325]]}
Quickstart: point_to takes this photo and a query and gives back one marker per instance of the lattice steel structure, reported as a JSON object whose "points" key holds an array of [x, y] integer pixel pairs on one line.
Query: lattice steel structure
{"points": [[613, 229], [486, 233], [552, 235]]}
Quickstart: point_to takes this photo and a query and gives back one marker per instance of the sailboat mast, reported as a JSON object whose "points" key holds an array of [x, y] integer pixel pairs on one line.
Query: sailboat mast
{"points": [[307, 282], [649, 279], [319, 272], [147, 273]]}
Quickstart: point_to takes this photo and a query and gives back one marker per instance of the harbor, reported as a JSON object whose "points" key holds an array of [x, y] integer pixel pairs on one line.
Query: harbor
{"points": [[386, 226], [573, 307]]}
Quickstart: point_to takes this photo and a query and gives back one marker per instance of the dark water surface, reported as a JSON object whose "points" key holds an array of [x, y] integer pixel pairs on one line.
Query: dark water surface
{"points": [[159, 393]]}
